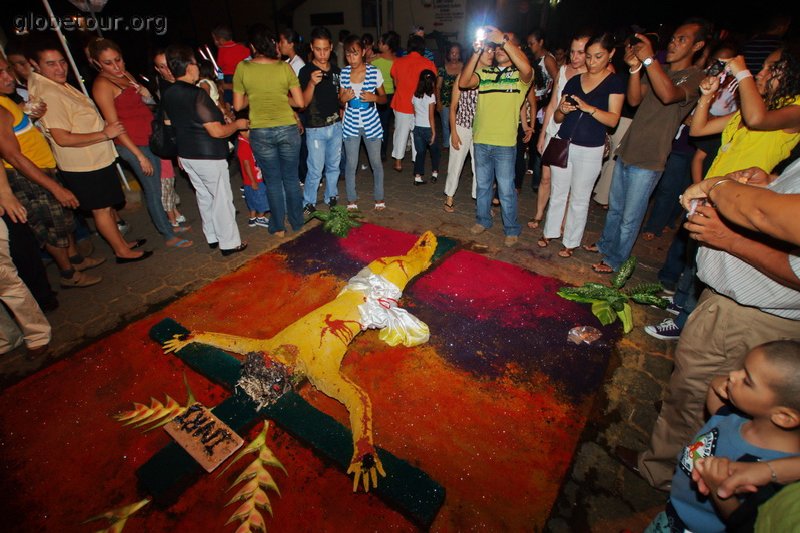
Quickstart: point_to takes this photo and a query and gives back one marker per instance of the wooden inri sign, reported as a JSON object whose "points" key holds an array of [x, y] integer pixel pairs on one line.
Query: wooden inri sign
{"points": [[204, 436]]}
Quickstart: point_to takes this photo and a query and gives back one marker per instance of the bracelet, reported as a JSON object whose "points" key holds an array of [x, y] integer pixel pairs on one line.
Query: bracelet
{"points": [[107, 138], [773, 475], [717, 184], [593, 112], [631, 71], [743, 74]]}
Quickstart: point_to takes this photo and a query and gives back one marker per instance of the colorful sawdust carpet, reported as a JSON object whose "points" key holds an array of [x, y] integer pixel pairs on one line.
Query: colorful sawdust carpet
{"points": [[491, 408]]}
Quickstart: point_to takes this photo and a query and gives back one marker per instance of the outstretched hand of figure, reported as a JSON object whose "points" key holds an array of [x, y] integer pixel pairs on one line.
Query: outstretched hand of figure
{"points": [[365, 468], [177, 343]]}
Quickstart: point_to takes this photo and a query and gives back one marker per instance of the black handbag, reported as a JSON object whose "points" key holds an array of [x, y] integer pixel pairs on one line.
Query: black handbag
{"points": [[163, 140], [557, 152]]}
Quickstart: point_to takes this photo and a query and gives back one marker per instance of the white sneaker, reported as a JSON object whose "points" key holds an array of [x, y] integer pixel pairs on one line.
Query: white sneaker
{"points": [[666, 331]]}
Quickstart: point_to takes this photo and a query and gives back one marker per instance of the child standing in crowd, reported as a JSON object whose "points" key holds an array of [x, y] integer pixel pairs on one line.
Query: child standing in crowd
{"points": [[255, 191], [169, 196], [424, 102], [756, 418]]}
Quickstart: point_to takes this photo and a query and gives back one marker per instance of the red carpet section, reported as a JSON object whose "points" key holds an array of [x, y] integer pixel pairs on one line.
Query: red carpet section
{"points": [[491, 408]]}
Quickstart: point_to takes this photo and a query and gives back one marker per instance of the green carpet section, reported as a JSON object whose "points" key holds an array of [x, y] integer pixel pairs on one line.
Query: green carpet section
{"points": [[168, 473], [443, 246]]}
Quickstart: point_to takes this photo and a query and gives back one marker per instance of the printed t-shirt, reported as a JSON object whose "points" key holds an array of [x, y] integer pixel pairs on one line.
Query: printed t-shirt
{"points": [[324, 107], [32, 143], [500, 95]]}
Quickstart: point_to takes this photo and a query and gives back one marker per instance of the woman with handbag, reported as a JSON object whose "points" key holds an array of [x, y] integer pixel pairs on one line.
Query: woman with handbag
{"points": [[590, 104], [121, 98]]}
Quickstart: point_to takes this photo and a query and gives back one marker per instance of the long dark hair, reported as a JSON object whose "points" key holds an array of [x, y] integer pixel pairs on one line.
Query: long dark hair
{"points": [[427, 84], [788, 68]]}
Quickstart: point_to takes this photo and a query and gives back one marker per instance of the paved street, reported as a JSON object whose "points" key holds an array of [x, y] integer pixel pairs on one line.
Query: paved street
{"points": [[600, 495]]}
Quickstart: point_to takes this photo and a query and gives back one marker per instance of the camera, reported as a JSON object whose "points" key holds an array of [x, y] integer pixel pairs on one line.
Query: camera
{"points": [[570, 100], [633, 39], [325, 74], [716, 68]]}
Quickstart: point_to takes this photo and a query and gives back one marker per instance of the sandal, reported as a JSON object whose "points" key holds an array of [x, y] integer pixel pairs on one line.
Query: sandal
{"points": [[534, 223], [380, 206], [648, 235], [449, 205], [495, 202], [566, 252], [352, 206], [181, 243], [602, 268], [591, 248], [543, 242]]}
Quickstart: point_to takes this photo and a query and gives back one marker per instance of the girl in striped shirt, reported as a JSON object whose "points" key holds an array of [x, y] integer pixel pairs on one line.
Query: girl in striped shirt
{"points": [[360, 90]]}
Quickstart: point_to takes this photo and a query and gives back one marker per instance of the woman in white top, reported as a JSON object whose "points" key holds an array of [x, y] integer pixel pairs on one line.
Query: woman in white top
{"points": [[576, 65]]}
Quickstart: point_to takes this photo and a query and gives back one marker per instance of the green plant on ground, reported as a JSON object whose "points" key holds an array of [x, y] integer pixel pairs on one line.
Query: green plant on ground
{"points": [[338, 220], [612, 302]]}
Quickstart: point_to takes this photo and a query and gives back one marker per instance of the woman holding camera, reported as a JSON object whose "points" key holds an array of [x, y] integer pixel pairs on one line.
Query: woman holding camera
{"points": [[767, 126], [590, 104]]}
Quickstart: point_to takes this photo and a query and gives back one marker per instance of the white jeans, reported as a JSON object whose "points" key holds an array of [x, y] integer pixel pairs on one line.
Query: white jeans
{"points": [[456, 159], [212, 184], [14, 293], [403, 127], [574, 183]]}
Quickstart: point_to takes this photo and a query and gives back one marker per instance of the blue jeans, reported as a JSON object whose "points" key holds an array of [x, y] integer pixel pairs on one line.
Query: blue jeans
{"points": [[631, 187], [351, 147], [422, 140], [151, 187], [324, 155], [496, 162], [676, 259], [277, 151], [673, 182]]}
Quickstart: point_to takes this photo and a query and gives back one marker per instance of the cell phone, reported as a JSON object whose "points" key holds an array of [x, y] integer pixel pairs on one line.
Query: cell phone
{"points": [[480, 34], [325, 74], [716, 68], [570, 100]]}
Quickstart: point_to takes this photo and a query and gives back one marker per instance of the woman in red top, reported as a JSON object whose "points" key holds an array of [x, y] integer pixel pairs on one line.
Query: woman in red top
{"points": [[121, 99]]}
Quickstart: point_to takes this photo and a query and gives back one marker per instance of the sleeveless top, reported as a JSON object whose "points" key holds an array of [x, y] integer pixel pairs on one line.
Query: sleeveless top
{"points": [[32, 143], [553, 126], [465, 112], [134, 115], [213, 91], [548, 81], [743, 147], [364, 115]]}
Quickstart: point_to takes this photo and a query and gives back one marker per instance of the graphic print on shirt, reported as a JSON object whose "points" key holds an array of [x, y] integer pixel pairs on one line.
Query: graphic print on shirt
{"points": [[704, 446]]}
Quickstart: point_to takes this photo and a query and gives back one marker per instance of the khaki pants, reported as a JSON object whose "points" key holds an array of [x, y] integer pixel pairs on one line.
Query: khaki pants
{"points": [[13, 292], [715, 340]]}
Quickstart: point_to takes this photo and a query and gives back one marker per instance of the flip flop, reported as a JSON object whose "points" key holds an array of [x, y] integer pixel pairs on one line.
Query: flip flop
{"points": [[591, 248], [543, 242], [648, 235], [180, 229], [566, 252], [534, 223], [183, 243], [450, 207], [602, 268]]}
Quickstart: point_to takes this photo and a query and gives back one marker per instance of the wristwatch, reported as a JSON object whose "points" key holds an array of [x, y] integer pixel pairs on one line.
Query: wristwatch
{"points": [[648, 61]]}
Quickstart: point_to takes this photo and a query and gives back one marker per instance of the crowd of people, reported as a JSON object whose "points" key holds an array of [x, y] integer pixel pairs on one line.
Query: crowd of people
{"points": [[290, 115]]}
